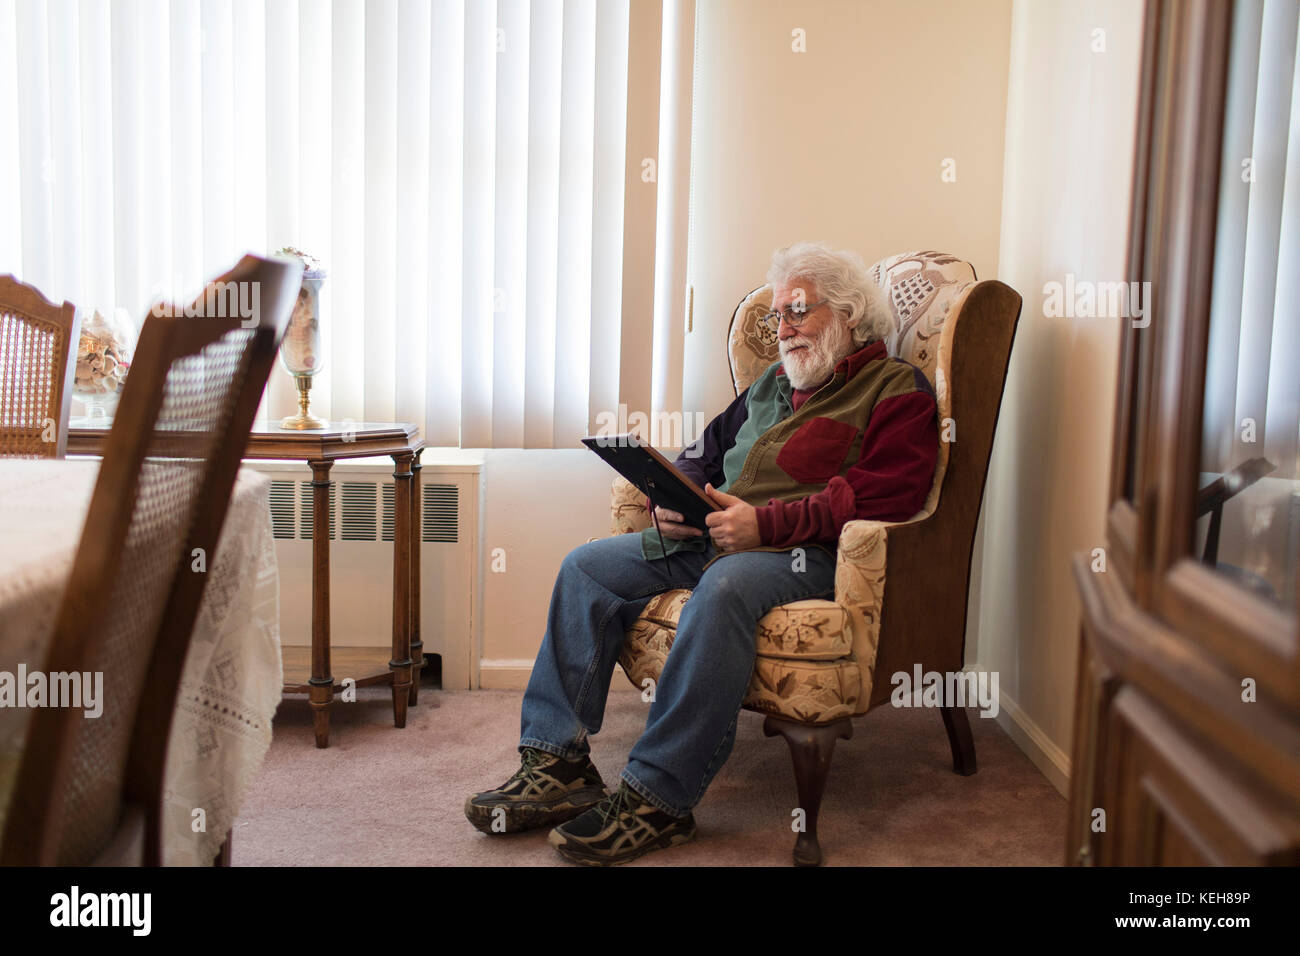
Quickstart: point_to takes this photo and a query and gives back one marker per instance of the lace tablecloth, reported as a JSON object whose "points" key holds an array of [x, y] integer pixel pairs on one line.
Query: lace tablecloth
{"points": [[232, 678]]}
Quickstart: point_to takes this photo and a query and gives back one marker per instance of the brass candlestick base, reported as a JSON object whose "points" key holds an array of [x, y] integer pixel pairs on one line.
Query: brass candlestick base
{"points": [[304, 419]]}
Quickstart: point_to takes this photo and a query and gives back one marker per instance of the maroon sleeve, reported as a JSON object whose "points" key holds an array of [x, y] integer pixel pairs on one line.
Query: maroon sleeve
{"points": [[889, 482]]}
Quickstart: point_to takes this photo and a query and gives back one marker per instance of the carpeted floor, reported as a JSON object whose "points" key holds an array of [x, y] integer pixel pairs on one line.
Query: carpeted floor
{"points": [[380, 796]]}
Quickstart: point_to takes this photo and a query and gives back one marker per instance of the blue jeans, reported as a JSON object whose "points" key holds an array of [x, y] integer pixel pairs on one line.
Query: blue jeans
{"points": [[601, 589]]}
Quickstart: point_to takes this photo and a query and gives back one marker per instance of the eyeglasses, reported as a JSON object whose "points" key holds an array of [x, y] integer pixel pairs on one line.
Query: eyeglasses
{"points": [[793, 318]]}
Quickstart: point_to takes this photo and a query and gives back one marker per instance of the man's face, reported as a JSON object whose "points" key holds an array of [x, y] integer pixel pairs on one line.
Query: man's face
{"points": [[809, 353]]}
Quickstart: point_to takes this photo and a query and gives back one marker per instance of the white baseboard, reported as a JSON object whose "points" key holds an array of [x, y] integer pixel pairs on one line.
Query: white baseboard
{"points": [[504, 674], [513, 674], [1051, 760]]}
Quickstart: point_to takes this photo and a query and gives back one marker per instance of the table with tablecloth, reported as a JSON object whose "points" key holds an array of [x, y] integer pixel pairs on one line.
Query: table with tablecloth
{"points": [[231, 682]]}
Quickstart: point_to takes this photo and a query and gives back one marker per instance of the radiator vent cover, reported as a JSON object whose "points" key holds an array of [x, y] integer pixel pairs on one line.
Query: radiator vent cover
{"points": [[440, 513], [359, 510], [282, 509], [387, 517], [366, 511]]}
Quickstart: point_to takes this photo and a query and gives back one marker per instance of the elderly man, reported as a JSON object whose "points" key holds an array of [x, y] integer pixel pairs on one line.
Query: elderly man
{"points": [[836, 430]]}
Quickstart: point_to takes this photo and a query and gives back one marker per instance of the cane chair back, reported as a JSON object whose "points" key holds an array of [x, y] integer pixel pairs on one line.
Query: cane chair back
{"points": [[163, 489], [38, 347]]}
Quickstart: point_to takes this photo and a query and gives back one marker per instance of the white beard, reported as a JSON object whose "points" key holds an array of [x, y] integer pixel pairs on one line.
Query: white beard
{"points": [[809, 367]]}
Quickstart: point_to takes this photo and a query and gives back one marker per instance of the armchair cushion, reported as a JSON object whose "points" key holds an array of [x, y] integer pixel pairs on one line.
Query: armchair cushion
{"points": [[810, 630], [795, 675]]}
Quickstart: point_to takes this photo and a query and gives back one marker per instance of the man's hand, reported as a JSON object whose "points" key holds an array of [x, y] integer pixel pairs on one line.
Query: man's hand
{"points": [[734, 529], [670, 525]]}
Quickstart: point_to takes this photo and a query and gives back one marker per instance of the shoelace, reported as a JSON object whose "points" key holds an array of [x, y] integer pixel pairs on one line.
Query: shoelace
{"points": [[531, 758], [620, 800]]}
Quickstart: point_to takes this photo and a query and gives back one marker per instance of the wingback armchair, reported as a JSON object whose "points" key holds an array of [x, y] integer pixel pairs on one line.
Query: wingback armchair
{"points": [[818, 659]]}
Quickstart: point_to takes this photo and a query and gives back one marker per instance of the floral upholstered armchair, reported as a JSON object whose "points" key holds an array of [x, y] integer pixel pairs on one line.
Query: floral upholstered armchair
{"points": [[817, 659]]}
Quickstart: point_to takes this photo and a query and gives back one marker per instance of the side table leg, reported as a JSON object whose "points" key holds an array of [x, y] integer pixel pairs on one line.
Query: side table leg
{"points": [[401, 660], [321, 682], [417, 536]]}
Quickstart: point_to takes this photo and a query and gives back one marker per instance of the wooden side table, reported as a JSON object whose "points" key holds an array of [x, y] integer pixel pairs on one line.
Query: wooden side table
{"points": [[320, 448]]}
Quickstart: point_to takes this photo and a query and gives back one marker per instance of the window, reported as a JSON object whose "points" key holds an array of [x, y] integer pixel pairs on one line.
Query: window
{"points": [[472, 175]]}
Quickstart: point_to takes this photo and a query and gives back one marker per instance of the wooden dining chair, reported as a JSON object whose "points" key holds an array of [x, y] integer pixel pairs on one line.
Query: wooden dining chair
{"points": [[38, 361], [91, 790]]}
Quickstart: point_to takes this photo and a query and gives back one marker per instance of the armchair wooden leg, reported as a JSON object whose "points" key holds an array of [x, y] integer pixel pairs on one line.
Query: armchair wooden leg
{"points": [[223, 854], [811, 748], [959, 738]]}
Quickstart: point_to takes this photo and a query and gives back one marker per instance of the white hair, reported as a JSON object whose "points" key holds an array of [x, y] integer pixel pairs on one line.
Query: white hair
{"points": [[842, 278]]}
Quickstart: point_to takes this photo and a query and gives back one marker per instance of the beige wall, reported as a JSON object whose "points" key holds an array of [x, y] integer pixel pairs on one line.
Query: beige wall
{"points": [[844, 142], [539, 504], [1071, 116]]}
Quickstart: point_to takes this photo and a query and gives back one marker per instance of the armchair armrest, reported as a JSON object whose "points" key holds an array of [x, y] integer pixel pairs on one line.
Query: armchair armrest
{"points": [[860, 563], [860, 584], [627, 507]]}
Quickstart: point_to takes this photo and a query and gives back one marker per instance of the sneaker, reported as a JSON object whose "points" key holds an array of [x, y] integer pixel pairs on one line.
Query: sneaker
{"points": [[620, 828], [544, 791]]}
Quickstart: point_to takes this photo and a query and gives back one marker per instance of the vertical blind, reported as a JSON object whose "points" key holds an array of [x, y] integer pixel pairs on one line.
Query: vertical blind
{"points": [[472, 175], [1255, 306]]}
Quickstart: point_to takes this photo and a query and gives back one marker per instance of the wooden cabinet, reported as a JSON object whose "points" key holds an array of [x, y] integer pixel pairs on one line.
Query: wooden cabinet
{"points": [[1187, 715]]}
